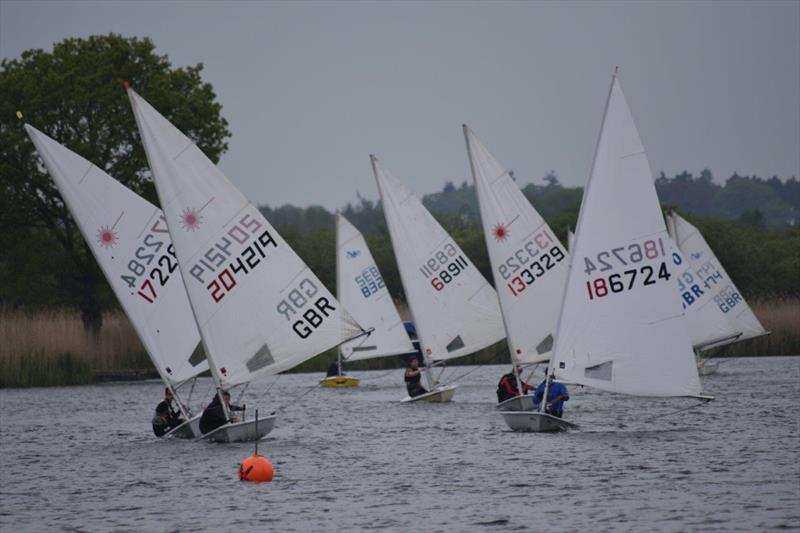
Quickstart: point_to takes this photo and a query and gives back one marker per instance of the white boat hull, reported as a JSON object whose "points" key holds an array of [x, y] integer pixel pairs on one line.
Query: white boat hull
{"points": [[437, 395], [188, 430], [520, 403], [242, 431], [706, 368], [535, 422]]}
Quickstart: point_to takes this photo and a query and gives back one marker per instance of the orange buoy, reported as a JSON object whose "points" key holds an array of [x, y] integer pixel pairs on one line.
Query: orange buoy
{"points": [[256, 468]]}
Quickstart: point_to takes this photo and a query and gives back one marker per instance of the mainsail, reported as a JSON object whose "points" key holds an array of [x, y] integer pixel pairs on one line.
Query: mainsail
{"points": [[529, 264], [621, 327], [259, 308], [721, 294], [455, 310], [360, 288], [129, 239]]}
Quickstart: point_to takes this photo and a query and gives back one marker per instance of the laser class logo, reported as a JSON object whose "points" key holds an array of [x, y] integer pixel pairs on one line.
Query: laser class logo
{"points": [[352, 254], [107, 236], [500, 232], [191, 218]]}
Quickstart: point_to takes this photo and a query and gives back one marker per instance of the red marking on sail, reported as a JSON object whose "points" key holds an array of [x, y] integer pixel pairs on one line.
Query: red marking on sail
{"points": [[500, 232]]}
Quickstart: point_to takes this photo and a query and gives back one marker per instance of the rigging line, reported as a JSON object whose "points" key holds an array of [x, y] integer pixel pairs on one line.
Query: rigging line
{"points": [[379, 376], [699, 404], [270, 386], [296, 398], [241, 394], [189, 398], [462, 375]]}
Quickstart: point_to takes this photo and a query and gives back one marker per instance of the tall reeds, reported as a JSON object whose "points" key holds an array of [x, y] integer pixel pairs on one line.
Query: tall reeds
{"points": [[51, 348]]}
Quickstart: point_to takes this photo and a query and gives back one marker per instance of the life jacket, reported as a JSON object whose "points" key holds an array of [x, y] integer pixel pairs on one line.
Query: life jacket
{"points": [[502, 393]]}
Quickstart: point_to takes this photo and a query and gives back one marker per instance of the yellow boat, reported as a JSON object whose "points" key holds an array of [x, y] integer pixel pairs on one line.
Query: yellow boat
{"points": [[339, 382]]}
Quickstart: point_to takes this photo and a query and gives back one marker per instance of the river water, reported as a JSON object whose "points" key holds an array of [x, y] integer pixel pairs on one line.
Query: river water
{"points": [[85, 459]]}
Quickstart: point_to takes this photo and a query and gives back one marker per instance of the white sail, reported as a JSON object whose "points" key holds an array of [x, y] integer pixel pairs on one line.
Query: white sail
{"points": [[621, 327], [259, 308], [706, 323], [455, 310], [128, 237], [719, 291], [360, 288], [529, 264]]}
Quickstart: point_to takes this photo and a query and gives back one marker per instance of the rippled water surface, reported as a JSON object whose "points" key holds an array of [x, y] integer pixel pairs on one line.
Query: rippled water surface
{"points": [[84, 458]]}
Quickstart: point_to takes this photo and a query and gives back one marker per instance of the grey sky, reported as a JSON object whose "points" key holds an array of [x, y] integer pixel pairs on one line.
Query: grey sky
{"points": [[310, 89]]}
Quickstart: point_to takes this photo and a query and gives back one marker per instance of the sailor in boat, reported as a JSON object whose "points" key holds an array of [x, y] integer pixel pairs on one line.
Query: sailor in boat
{"points": [[333, 370], [412, 378], [166, 417], [556, 396], [214, 415], [507, 387]]}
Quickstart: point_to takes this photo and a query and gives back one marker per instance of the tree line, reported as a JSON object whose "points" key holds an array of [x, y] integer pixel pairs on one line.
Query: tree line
{"points": [[73, 93]]}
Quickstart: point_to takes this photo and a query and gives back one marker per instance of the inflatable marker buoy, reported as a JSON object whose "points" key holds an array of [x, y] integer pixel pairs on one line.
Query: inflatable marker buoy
{"points": [[256, 468]]}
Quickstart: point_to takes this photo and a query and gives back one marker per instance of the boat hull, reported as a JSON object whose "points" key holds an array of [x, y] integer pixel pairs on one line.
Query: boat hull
{"points": [[437, 395], [535, 422], [706, 368], [520, 403], [242, 431], [339, 382], [188, 430]]}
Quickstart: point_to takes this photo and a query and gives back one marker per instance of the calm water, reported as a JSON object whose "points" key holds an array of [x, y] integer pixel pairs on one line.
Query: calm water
{"points": [[84, 459]]}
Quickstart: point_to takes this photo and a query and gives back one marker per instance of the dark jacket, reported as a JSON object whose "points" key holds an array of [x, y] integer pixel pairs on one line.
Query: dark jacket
{"points": [[214, 415], [507, 388], [166, 418]]}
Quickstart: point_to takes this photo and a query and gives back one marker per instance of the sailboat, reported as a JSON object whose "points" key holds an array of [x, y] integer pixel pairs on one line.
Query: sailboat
{"points": [[129, 239], [529, 264], [259, 309], [455, 310], [360, 288], [718, 313], [621, 327]]}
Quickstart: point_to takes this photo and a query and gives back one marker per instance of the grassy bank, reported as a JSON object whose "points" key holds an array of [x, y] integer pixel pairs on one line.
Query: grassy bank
{"points": [[51, 348]]}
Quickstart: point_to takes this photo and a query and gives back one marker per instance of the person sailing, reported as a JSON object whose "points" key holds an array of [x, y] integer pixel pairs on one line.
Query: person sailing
{"points": [[333, 369], [412, 378], [166, 417], [214, 415], [557, 394], [507, 387]]}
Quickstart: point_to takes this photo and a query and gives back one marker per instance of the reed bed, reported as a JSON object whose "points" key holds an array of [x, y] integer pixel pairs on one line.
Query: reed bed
{"points": [[51, 348], [781, 317]]}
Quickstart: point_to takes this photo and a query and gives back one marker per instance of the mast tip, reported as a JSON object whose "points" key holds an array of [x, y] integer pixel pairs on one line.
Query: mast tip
{"points": [[126, 84]]}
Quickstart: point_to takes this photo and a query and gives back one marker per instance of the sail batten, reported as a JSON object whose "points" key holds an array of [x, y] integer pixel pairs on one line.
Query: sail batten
{"points": [[455, 310], [622, 328], [259, 308]]}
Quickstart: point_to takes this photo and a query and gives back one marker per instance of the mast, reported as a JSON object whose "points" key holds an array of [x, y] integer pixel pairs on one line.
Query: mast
{"points": [[511, 347], [338, 284], [550, 369]]}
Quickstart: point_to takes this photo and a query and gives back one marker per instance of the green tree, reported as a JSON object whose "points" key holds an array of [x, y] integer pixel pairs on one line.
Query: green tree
{"points": [[74, 94]]}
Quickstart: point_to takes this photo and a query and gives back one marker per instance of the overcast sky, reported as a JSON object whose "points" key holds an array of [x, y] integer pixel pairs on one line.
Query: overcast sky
{"points": [[311, 89]]}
